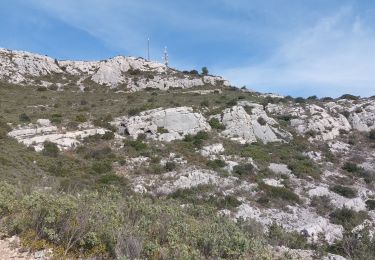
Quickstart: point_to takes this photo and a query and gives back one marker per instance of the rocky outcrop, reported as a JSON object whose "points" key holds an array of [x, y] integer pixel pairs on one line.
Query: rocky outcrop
{"points": [[34, 135], [338, 201], [296, 219], [362, 116], [249, 128], [135, 74], [165, 124], [316, 122], [212, 150]]}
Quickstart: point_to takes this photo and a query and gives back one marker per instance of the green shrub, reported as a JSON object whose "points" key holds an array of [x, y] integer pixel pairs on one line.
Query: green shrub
{"points": [[300, 100], [4, 129], [56, 118], [138, 145], [348, 218], [102, 166], [248, 109], [243, 169], [24, 118], [108, 179], [50, 149], [232, 103], [216, 164], [197, 140], [312, 98], [344, 191], [81, 118], [216, 124], [277, 236], [262, 121], [350, 167], [97, 152], [349, 97], [303, 166], [205, 103], [322, 204], [228, 202], [371, 135], [109, 135], [41, 89], [204, 71], [162, 130], [279, 193], [170, 166], [370, 204]]}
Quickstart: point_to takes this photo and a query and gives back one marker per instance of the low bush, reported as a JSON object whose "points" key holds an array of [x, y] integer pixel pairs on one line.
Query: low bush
{"points": [[371, 135], [348, 218], [170, 166], [4, 129], [277, 236], [50, 149], [344, 191], [102, 166], [312, 98], [303, 166], [197, 140], [81, 118], [56, 118], [24, 118], [97, 152], [322, 204], [299, 100], [137, 145], [216, 124], [109, 135], [162, 130], [282, 193], [370, 204], [351, 167], [262, 121], [349, 97], [216, 164], [243, 169]]}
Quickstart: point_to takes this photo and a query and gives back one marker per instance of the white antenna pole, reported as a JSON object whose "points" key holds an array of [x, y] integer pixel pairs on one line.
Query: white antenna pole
{"points": [[166, 58], [148, 48]]}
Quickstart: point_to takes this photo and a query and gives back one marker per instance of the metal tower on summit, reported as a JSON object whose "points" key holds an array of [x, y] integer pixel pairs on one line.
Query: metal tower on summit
{"points": [[166, 57]]}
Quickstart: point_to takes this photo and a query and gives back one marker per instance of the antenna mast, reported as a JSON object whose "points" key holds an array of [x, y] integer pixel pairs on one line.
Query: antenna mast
{"points": [[148, 48], [166, 57]]}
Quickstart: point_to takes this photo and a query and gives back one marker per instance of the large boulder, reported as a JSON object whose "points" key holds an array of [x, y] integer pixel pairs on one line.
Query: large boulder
{"points": [[249, 128], [165, 124]]}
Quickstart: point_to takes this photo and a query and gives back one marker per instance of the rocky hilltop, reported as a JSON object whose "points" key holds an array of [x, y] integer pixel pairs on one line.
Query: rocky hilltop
{"points": [[25, 68], [285, 176]]}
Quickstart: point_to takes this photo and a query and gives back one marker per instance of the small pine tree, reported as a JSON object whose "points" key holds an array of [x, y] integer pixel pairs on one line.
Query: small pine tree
{"points": [[204, 71]]}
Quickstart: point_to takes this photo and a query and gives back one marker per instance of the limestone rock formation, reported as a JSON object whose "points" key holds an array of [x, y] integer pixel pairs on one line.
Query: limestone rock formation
{"points": [[134, 74], [165, 124], [245, 128]]}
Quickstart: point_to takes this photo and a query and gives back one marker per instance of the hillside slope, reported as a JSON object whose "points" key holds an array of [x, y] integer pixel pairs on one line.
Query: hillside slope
{"points": [[205, 171]]}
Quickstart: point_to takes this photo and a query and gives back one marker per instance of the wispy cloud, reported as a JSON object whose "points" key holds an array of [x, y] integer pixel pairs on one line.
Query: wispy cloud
{"points": [[334, 56]]}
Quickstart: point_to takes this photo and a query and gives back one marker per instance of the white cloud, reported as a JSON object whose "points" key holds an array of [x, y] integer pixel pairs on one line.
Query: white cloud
{"points": [[335, 56]]}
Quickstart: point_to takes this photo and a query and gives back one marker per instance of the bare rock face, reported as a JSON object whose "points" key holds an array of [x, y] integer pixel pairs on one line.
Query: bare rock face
{"points": [[297, 219], [245, 128], [212, 150], [166, 124], [135, 74], [35, 135], [362, 116], [314, 121]]}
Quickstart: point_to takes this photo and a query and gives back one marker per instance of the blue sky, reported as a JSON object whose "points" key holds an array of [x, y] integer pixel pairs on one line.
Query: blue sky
{"points": [[295, 47]]}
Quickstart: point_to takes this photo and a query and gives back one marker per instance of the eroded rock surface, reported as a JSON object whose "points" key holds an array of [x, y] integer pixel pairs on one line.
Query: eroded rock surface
{"points": [[166, 124]]}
